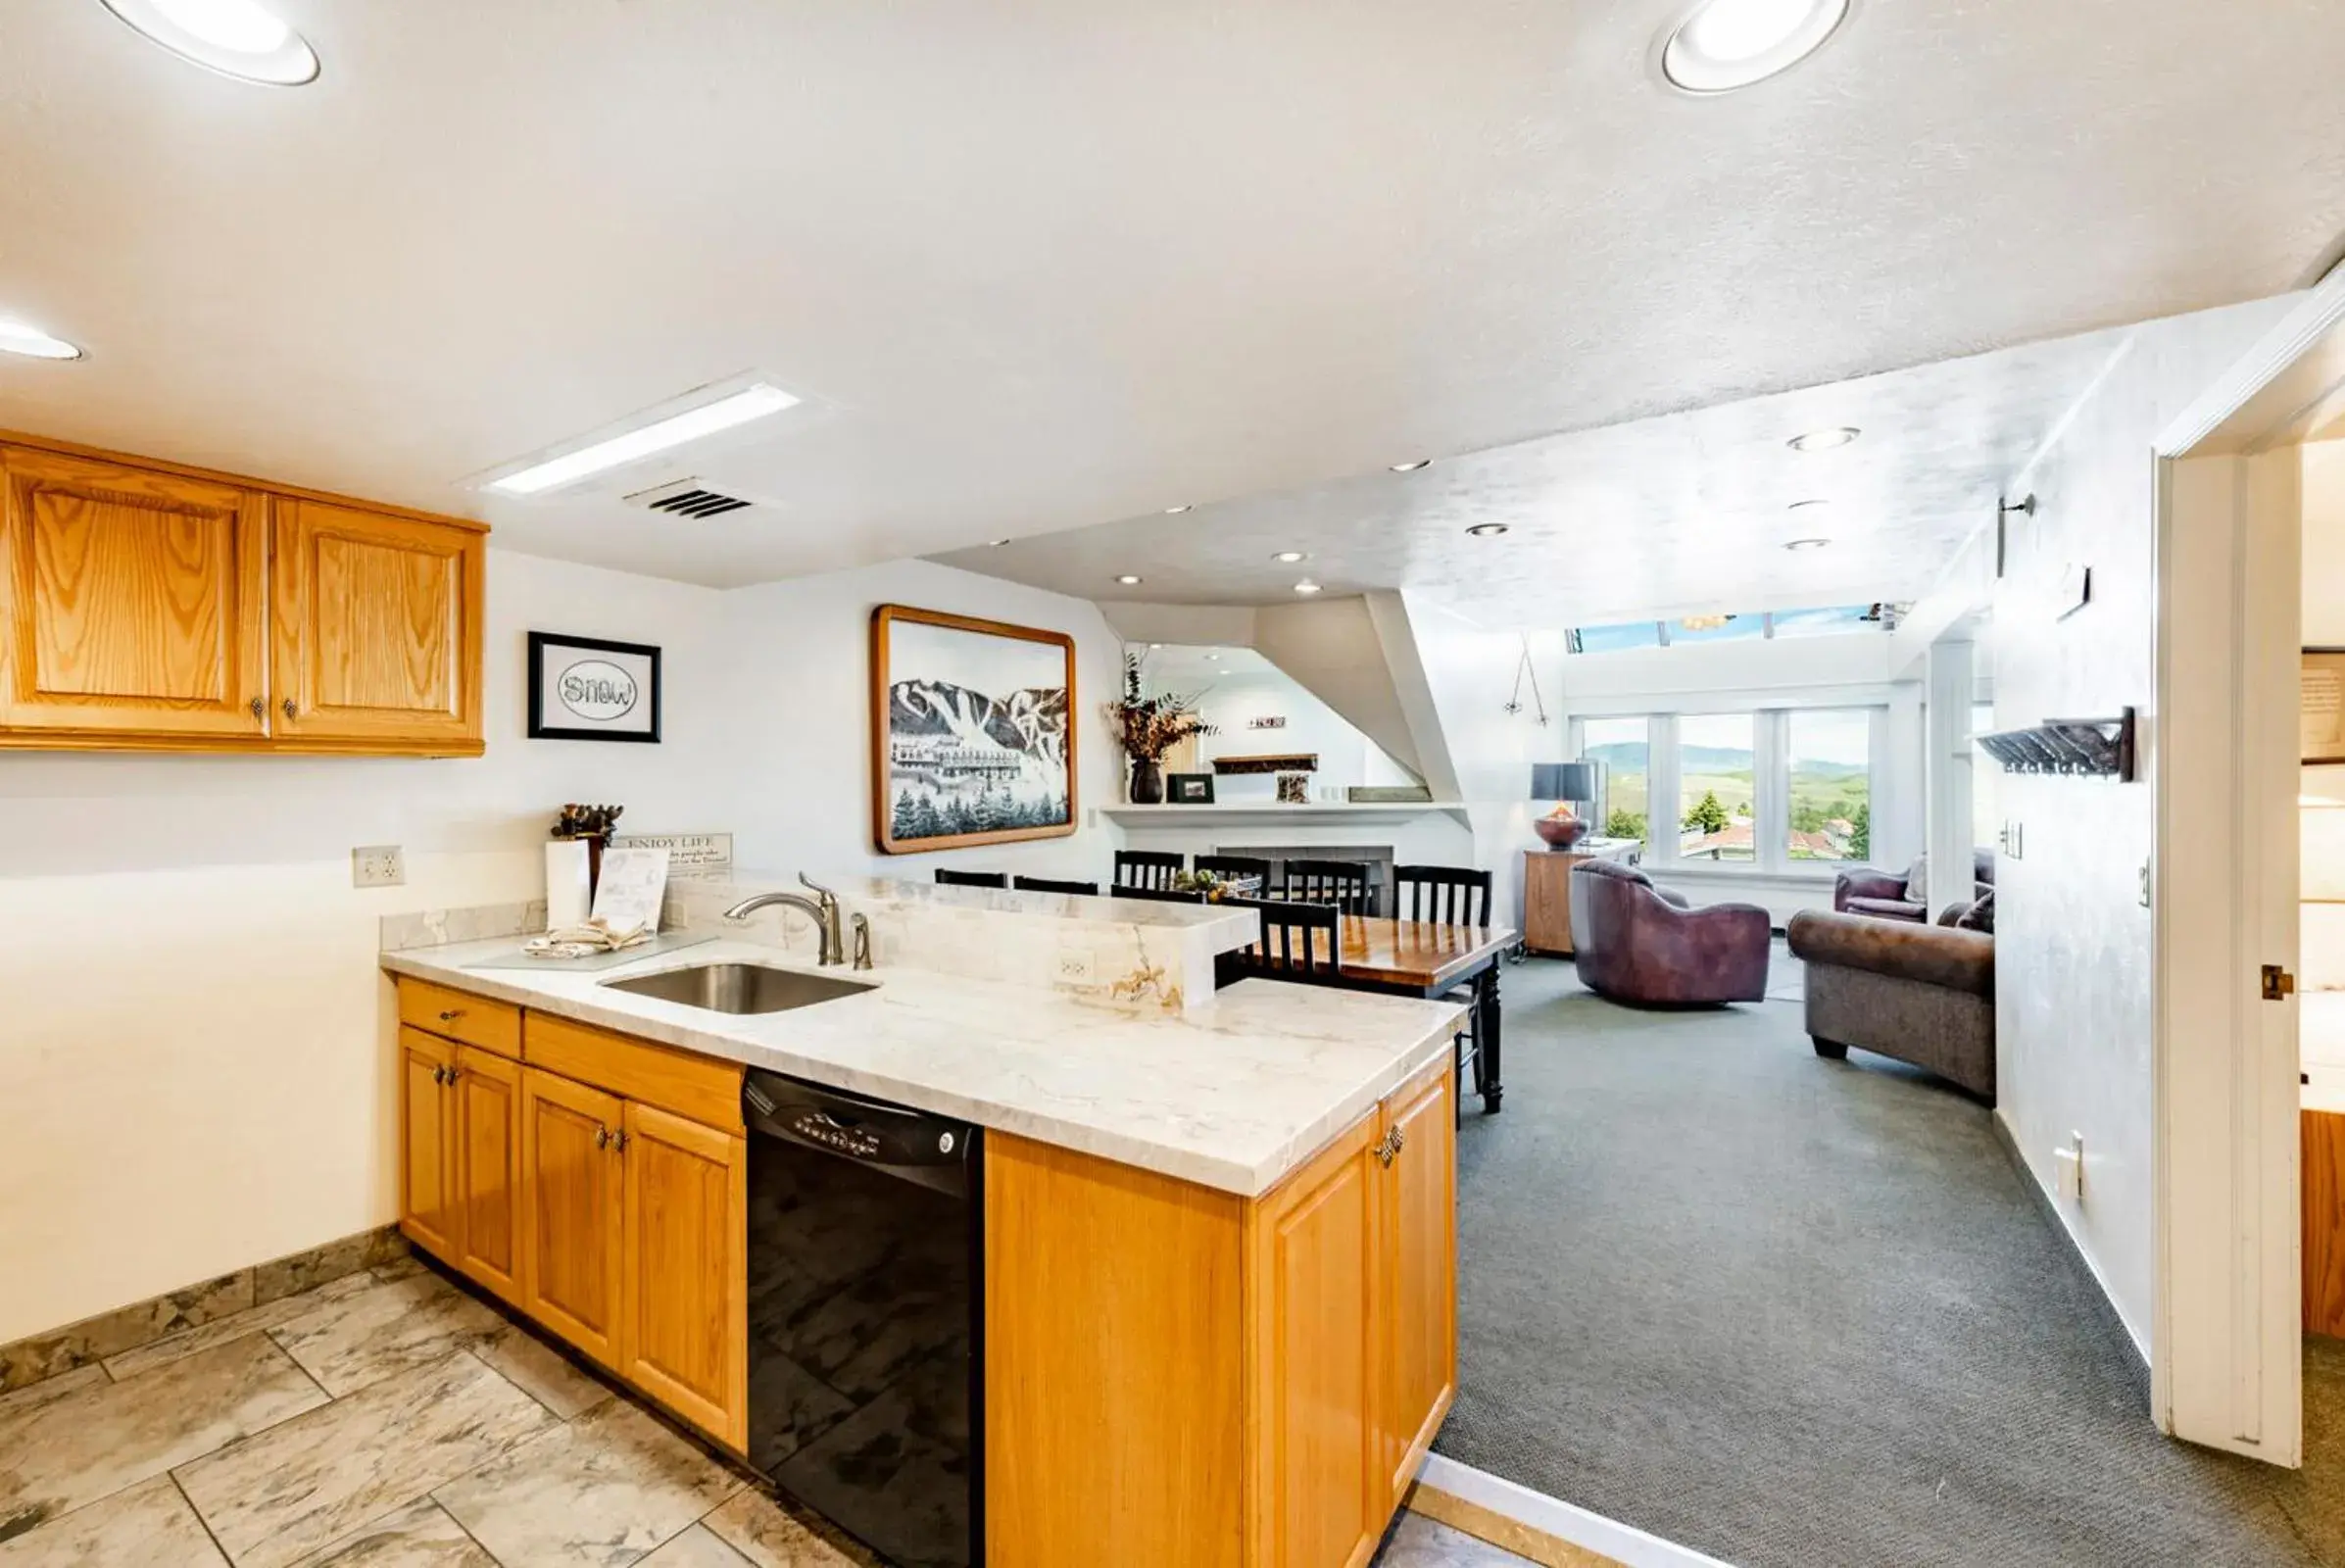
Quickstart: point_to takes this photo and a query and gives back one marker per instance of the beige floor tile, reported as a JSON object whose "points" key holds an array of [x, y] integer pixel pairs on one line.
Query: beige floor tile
{"points": [[278, 1496], [605, 1490], [542, 1372], [417, 1535], [695, 1548], [24, 1400], [219, 1330], [149, 1523], [71, 1451], [401, 1268], [760, 1530], [384, 1330], [1422, 1543]]}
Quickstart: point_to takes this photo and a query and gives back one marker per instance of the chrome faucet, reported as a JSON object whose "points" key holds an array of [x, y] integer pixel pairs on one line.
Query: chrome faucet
{"points": [[824, 908]]}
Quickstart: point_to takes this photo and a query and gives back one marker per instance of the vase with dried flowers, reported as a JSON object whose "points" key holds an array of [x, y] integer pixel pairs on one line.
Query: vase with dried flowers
{"points": [[1150, 726]]}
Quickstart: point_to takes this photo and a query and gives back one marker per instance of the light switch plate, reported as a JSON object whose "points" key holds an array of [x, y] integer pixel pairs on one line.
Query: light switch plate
{"points": [[378, 865]]}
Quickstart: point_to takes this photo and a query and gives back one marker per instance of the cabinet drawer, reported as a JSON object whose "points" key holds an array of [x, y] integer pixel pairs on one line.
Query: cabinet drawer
{"points": [[699, 1087], [476, 1020]]}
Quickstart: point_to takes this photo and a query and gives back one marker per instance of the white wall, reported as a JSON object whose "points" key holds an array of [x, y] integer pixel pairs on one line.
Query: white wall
{"points": [[2072, 940], [1345, 756], [195, 1058]]}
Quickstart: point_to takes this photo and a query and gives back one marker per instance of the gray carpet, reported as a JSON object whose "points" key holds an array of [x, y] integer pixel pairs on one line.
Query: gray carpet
{"points": [[1802, 1314]]}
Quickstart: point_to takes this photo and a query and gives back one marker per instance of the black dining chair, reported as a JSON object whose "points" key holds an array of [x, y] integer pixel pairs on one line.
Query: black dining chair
{"points": [[1298, 941], [970, 879], [1044, 884], [1148, 868], [1156, 895], [1449, 894], [1341, 883], [1226, 866]]}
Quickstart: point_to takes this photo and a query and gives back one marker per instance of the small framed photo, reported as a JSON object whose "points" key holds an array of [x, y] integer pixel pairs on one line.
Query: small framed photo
{"points": [[586, 689], [1189, 789], [2320, 711]]}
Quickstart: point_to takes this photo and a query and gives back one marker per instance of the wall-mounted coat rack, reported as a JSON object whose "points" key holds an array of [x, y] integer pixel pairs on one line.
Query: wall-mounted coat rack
{"points": [[2095, 747]]}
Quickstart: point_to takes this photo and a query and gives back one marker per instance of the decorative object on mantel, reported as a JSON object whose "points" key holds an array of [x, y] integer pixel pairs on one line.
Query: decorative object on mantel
{"points": [[1189, 789], [2079, 747], [588, 688], [1146, 727], [1565, 784], [2321, 705], [1267, 721], [1268, 762], [970, 739], [591, 826], [1294, 789], [1388, 794]]}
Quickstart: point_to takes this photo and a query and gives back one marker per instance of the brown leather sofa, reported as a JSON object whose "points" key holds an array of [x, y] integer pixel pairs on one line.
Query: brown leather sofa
{"points": [[1906, 895], [1922, 993], [1633, 942]]}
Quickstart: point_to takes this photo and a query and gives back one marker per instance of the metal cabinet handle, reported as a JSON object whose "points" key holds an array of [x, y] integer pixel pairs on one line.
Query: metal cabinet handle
{"points": [[618, 1143], [453, 1073], [1383, 1150], [601, 1136], [260, 706], [439, 1075], [452, 1014], [290, 708]]}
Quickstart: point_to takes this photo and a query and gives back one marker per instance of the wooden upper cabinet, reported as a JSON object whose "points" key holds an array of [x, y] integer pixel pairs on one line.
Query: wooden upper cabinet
{"points": [[132, 603], [377, 629]]}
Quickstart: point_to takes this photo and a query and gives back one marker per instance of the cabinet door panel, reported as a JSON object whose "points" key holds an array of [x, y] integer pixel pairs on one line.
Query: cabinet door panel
{"points": [[429, 1213], [574, 1183], [377, 627], [487, 1101], [687, 1285], [1420, 1272], [1321, 1479], [132, 602]]}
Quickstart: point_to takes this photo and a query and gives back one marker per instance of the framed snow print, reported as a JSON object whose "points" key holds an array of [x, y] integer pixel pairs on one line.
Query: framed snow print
{"points": [[972, 732], [586, 689]]}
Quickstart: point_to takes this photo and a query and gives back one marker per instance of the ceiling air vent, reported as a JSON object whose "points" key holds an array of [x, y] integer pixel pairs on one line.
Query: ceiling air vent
{"points": [[687, 498]]}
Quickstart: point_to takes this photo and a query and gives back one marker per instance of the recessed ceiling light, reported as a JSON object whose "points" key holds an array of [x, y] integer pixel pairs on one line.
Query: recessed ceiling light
{"points": [[753, 401], [1174, 511], [1825, 440], [1306, 586], [1154, 647], [1801, 506], [235, 37], [1726, 44], [1287, 557], [1807, 544], [1128, 579], [1486, 530], [1411, 468], [33, 343]]}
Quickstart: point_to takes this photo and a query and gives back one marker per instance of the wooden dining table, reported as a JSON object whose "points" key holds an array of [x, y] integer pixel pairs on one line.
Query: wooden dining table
{"points": [[1430, 959]]}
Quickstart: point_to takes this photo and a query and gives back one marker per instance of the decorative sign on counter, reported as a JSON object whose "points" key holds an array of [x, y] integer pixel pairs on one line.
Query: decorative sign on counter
{"points": [[586, 689], [686, 852], [632, 887]]}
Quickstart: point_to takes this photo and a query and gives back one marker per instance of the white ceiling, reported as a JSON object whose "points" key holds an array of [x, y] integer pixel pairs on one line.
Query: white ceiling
{"points": [[1680, 514], [1044, 264], [1184, 668]]}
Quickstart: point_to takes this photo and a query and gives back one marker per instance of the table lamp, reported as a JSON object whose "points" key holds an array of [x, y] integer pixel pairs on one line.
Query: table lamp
{"points": [[1565, 784]]}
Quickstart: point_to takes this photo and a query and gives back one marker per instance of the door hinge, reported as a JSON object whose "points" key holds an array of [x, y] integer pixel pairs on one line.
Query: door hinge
{"points": [[2279, 983]]}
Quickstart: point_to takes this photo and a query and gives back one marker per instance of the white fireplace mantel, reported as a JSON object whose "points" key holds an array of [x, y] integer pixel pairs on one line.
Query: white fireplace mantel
{"points": [[1268, 813]]}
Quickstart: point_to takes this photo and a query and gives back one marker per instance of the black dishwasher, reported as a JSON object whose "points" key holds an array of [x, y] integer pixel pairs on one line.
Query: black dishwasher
{"points": [[865, 1339]]}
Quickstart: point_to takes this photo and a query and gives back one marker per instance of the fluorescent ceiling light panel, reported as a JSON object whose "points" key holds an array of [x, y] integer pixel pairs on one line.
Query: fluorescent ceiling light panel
{"points": [[753, 401]]}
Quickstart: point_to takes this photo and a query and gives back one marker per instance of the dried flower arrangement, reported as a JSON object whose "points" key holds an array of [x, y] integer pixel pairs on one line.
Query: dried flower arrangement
{"points": [[1146, 727]]}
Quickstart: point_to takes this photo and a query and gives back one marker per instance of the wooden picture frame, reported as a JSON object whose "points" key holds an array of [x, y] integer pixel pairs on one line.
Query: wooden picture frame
{"points": [[953, 763], [630, 670], [1189, 789], [2321, 705]]}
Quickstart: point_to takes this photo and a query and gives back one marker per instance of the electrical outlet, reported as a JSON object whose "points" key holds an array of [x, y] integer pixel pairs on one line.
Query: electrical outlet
{"points": [[378, 865], [1074, 964]]}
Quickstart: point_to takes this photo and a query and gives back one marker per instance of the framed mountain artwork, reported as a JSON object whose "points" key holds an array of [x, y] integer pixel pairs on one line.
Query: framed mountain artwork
{"points": [[972, 733]]}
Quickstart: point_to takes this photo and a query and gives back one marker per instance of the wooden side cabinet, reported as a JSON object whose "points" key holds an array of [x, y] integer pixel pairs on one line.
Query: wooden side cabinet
{"points": [[1546, 884], [429, 1213], [573, 1189], [486, 1091], [144, 605], [1418, 1175], [684, 1237]]}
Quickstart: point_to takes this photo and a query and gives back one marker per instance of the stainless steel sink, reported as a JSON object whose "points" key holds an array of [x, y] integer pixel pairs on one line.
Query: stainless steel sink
{"points": [[740, 987]]}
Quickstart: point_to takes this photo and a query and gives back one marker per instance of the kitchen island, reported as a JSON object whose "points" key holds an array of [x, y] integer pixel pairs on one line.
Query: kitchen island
{"points": [[1217, 1243]]}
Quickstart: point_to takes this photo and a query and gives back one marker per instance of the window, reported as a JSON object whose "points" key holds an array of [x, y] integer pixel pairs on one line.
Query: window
{"points": [[1831, 751], [1828, 622], [1742, 625], [1612, 639], [1716, 629], [1619, 744], [1717, 795]]}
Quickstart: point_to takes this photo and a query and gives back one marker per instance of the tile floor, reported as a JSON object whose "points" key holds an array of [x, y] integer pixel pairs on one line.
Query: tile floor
{"points": [[388, 1420]]}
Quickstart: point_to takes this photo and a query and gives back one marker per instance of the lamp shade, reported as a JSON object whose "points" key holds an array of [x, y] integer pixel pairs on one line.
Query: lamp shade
{"points": [[1563, 781]]}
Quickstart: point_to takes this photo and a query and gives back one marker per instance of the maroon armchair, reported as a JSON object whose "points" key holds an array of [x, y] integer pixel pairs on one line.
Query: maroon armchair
{"points": [[1634, 942], [1906, 895]]}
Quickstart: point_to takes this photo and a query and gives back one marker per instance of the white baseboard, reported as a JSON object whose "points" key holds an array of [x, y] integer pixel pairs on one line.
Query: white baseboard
{"points": [[1552, 1516]]}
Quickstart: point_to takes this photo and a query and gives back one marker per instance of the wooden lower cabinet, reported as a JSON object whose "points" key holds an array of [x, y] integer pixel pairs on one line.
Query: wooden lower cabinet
{"points": [[685, 1307], [487, 1096], [1176, 1375], [574, 1191], [429, 1213]]}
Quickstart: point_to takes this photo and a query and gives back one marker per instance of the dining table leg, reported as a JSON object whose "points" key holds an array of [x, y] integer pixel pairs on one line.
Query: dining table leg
{"points": [[1486, 1037]]}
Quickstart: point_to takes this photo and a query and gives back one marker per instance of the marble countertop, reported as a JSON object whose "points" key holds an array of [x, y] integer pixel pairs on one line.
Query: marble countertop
{"points": [[1232, 1095]]}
